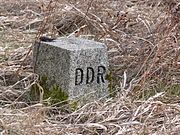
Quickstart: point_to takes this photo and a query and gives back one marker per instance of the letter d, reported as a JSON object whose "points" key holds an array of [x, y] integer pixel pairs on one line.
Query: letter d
{"points": [[78, 76]]}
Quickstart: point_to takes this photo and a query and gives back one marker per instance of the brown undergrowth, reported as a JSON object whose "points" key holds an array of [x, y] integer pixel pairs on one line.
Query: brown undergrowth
{"points": [[143, 43]]}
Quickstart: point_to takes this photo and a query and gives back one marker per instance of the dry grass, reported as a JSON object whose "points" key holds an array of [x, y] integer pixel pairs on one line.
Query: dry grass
{"points": [[143, 43]]}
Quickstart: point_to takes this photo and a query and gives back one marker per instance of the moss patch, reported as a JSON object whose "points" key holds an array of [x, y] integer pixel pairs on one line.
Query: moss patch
{"points": [[52, 94], [111, 88]]}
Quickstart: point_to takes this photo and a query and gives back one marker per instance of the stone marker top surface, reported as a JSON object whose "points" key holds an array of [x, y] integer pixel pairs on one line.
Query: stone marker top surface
{"points": [[75, 44]]}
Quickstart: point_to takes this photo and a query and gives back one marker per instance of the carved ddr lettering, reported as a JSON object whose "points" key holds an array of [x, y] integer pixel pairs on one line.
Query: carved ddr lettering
{"points": [[90, 75]]}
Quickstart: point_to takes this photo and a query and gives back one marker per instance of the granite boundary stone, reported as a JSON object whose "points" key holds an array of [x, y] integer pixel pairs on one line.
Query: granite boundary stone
{"points": [[78, 66]]}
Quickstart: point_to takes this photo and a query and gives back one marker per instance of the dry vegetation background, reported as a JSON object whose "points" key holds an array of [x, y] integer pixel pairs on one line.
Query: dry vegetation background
{"points": [[143, 43]]}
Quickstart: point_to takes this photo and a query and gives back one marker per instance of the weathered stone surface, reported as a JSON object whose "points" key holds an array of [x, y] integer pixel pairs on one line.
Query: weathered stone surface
{"points": [[77, 65]]}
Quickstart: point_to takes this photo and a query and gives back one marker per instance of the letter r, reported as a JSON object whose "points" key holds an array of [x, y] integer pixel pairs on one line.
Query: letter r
{"points": [[100, 74]]}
